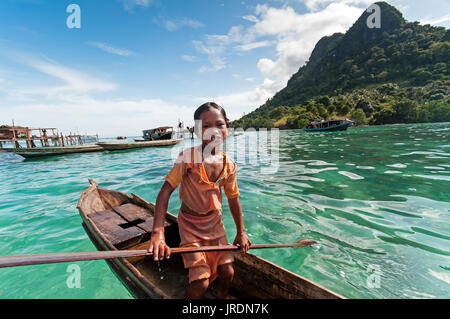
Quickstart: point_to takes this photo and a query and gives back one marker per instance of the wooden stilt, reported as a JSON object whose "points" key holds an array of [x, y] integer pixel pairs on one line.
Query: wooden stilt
{"points": [[44, 131], [14, 135], [28, 138], [40, 137]]}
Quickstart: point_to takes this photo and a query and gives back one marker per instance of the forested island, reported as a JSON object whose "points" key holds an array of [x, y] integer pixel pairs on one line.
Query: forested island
{"points": [[398, 73]]}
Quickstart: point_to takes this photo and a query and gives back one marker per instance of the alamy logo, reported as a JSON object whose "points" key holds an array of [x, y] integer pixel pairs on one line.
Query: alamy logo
{"points": [[74, 19], [257, 148], [374, 20], [74, 279]]}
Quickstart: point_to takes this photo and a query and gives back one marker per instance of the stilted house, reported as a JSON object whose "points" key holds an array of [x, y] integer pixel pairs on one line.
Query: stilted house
{"points": [[47, 136]]}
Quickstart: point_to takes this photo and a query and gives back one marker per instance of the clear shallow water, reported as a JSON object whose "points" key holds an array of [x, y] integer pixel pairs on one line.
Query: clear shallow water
{"points": [[375, 198]]}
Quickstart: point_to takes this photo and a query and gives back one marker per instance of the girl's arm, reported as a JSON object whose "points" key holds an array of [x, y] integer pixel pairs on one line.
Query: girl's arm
{"points": [[158, 243], [236, 211]]}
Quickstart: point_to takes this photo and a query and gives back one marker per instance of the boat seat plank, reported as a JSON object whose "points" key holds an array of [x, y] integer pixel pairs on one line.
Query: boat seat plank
{"points": [[115, 228], [132, 212]]}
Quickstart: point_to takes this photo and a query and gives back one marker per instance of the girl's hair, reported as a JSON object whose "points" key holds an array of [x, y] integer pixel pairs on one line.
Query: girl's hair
{"points": [[211, 105]]}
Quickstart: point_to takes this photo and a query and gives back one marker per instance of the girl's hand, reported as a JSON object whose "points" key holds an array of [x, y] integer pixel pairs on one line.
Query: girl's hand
{"points": [[158, 246], [243, 241]]}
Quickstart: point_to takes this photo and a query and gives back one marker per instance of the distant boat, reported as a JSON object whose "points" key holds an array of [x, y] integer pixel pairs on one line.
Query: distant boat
{"points": [[121, 137], [329, 126], [115, 146], [159, 133], [50, 151], [233, 132]]}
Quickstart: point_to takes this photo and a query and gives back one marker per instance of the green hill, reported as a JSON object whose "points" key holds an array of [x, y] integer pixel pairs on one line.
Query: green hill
{"points": [[398, 73]]}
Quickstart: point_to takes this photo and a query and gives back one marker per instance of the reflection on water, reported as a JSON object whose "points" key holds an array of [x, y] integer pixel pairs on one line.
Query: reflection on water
{"points": [[375, 198]]}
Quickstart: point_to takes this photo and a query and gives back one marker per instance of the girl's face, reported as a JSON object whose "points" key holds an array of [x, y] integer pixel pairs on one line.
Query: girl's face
{"points": [[213, 127]]}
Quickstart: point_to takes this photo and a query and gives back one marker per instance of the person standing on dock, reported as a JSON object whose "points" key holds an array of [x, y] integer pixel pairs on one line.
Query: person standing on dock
{"points": [[202, 172]]}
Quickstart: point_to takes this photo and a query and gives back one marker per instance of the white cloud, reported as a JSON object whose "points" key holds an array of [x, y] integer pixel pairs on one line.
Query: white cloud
{"points": [[296, 35], [253, 45], [215, 46], [436, 21], [110, 49], [217, 63], [174, 25], [315, 5], [250, 18], [74, 81], [237, 103], [214, 53], [239, 76], [129, 5], [189, 58]]}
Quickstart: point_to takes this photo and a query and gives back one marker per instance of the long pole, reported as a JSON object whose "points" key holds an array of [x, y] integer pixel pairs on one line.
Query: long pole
{"points": [[37, 259]]}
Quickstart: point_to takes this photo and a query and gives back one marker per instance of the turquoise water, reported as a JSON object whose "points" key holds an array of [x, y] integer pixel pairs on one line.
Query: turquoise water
{"points": [[375, 198]]}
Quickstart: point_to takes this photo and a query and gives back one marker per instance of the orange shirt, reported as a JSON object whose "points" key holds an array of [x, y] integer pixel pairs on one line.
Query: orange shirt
{"points": [[196, 191]]}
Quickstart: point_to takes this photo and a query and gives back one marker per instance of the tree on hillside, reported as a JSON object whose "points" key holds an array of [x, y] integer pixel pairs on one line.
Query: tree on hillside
{"points": [[406, 111], [359, 117]]}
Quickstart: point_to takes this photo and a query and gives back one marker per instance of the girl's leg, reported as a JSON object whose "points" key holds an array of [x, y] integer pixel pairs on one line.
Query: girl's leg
{"points": [[226, 273], [197, 288]]}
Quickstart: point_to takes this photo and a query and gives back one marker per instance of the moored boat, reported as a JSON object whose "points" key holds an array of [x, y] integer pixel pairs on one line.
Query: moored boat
{"points": [[233, 132], [115, 146], [117, 221], [159, 133], [329, 126], [50, 151]]}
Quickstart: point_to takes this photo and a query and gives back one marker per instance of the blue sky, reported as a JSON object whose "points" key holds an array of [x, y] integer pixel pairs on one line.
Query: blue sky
{"points": [[136, 64]]}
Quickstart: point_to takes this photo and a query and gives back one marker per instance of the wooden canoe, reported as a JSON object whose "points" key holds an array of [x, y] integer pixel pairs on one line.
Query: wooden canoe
{"points": [[117, 221], [51, 151], [115, 146]]}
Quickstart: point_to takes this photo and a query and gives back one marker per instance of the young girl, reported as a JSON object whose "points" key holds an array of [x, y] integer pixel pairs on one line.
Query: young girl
{"points": [[202, 171]]}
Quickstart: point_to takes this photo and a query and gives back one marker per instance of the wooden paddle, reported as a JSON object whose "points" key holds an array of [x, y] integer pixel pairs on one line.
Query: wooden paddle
{"points": [[36, 259]]}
